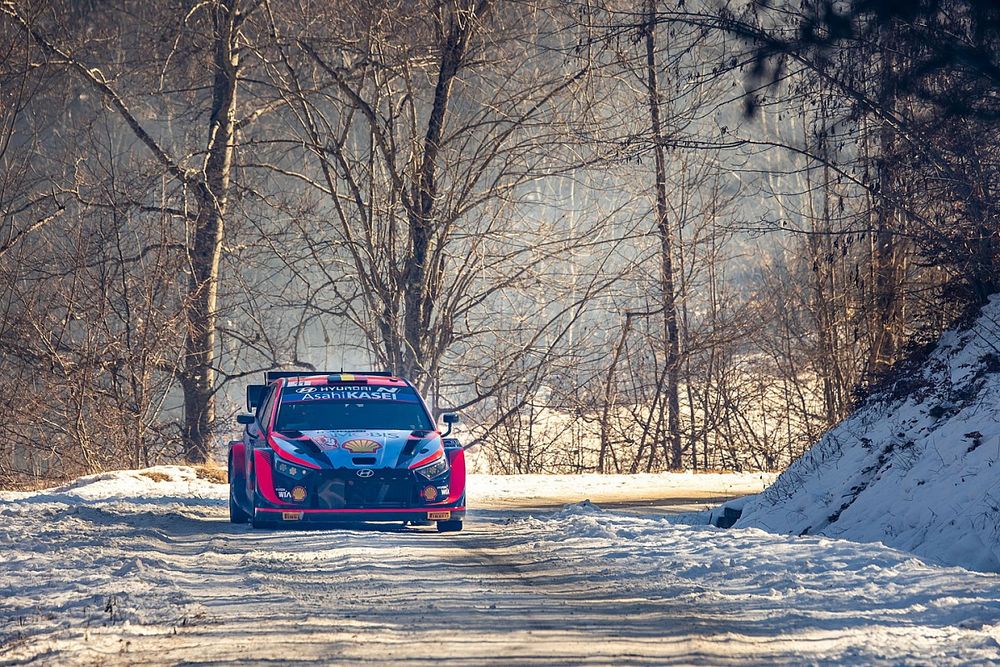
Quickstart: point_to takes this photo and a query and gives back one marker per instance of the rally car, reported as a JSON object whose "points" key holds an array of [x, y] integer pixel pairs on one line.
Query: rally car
{"points": [[344, 447]]}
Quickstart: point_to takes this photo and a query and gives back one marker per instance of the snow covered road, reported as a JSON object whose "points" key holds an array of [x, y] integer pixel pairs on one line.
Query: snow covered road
{"points": [[121, 569]]}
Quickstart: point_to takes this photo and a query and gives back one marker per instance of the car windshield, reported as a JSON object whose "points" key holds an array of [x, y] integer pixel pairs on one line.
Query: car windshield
{"points": [[333, 415]]}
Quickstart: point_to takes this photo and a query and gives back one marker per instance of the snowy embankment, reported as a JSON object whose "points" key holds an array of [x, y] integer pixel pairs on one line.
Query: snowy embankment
{"points": [[141, 567], [917, 467]]}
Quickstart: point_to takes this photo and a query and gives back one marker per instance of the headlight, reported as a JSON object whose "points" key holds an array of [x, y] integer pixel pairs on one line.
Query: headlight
{"points": [[434, 468], [293, 471]]}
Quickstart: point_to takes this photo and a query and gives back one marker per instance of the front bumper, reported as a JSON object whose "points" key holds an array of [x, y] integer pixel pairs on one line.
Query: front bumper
{"points": [[342, 495]]}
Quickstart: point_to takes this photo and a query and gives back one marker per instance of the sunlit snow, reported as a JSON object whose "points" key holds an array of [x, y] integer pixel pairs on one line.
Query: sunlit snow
{"points": [[120, 569]]}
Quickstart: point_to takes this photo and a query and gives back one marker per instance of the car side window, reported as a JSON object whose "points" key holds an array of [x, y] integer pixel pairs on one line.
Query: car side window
{"points": [[267, 408], [263, 404]]}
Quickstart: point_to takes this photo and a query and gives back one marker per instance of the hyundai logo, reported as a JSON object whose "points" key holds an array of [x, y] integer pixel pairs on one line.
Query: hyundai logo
{"points": [[365, 473]]}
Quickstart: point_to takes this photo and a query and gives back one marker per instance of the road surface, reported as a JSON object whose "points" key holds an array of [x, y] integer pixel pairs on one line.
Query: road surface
{"points": [[172, 582]]}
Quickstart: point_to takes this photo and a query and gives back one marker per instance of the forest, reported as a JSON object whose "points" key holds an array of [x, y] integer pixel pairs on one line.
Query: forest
{"points": [[616, 236]]}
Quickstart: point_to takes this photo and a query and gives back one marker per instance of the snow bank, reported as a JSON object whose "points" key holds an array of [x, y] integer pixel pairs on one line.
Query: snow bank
{"points": [[178, 486], [521, 490], [917, 467]]}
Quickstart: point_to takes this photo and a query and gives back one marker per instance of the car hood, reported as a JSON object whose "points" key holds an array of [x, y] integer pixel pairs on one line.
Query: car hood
{"points": [[373, 448]]}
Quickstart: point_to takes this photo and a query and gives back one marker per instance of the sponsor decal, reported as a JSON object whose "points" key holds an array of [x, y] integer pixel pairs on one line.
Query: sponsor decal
{"points": [[348, 434], [325, 441], [299, 494], [348, 392], [284, 494], [372, 435], [362, 446], [340, 388], [438, 516], [366, 473], [293, 516]]}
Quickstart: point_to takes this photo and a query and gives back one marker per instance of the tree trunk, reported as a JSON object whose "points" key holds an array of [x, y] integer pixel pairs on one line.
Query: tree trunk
{"points": [[423, 269], [198, 376], [670, 341], [211, 187], [885, 254]]}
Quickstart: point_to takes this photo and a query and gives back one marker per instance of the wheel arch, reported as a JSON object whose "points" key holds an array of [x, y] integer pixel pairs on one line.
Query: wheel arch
{"points": [[237, 460]]}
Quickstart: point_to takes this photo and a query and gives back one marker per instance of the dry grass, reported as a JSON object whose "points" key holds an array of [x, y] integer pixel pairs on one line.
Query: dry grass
{"points": [[31, 484], [212, 472]]}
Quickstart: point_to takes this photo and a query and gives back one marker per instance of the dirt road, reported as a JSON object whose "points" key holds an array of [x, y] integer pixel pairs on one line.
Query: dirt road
{"points": [[168, 581], [373, 595]]}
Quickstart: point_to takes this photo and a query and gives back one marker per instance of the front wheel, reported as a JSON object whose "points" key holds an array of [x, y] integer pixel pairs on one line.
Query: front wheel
{"points": [[256, 520], [236, 513], [449, 526]]}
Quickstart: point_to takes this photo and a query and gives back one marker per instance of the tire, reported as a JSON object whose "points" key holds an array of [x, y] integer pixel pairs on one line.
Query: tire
{"points": [[256, 520], [449, 526], [236, 513]]}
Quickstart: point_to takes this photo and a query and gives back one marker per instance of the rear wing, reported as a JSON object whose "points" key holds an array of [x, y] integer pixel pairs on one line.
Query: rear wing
{"points": [[256, 393], [271, 376]]}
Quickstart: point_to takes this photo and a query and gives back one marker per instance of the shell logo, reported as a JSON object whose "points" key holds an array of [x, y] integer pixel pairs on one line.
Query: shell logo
{"points": [[298, 494], [362, 446]]}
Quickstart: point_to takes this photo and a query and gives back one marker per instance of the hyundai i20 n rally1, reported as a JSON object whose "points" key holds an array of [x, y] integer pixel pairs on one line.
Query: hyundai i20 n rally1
{"points": [[344, 447]]}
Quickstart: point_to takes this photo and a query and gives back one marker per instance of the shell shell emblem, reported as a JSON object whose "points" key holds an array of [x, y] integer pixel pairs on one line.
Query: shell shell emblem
{"points": [[362, 446]]}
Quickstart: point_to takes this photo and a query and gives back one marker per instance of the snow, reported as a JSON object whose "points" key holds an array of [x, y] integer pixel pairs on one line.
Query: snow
{"points": [[122, 568], [546, 490], [827, 594], [915, 468], [183, 485]]}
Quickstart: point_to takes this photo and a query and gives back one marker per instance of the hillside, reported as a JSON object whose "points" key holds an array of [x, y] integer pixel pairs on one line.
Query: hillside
{"points": [[916, 467]]}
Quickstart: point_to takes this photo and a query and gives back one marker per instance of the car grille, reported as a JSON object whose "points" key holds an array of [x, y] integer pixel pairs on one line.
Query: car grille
{"points": [[383, 489]]}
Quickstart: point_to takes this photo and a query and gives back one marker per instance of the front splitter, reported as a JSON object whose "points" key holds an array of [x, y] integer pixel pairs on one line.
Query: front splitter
{"points": [[292, 516]]}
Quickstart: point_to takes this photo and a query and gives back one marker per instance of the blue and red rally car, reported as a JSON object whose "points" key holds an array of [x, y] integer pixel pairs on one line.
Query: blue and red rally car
{"points": [[344, 447]]}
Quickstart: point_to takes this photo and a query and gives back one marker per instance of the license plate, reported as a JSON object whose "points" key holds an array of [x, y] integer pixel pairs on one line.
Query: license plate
{"points": [[291, 516], [438, 515]]}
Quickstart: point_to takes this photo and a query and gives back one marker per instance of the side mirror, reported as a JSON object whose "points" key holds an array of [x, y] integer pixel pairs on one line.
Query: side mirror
{"points": [[256, 393], [450, 418], [246, 420]]}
